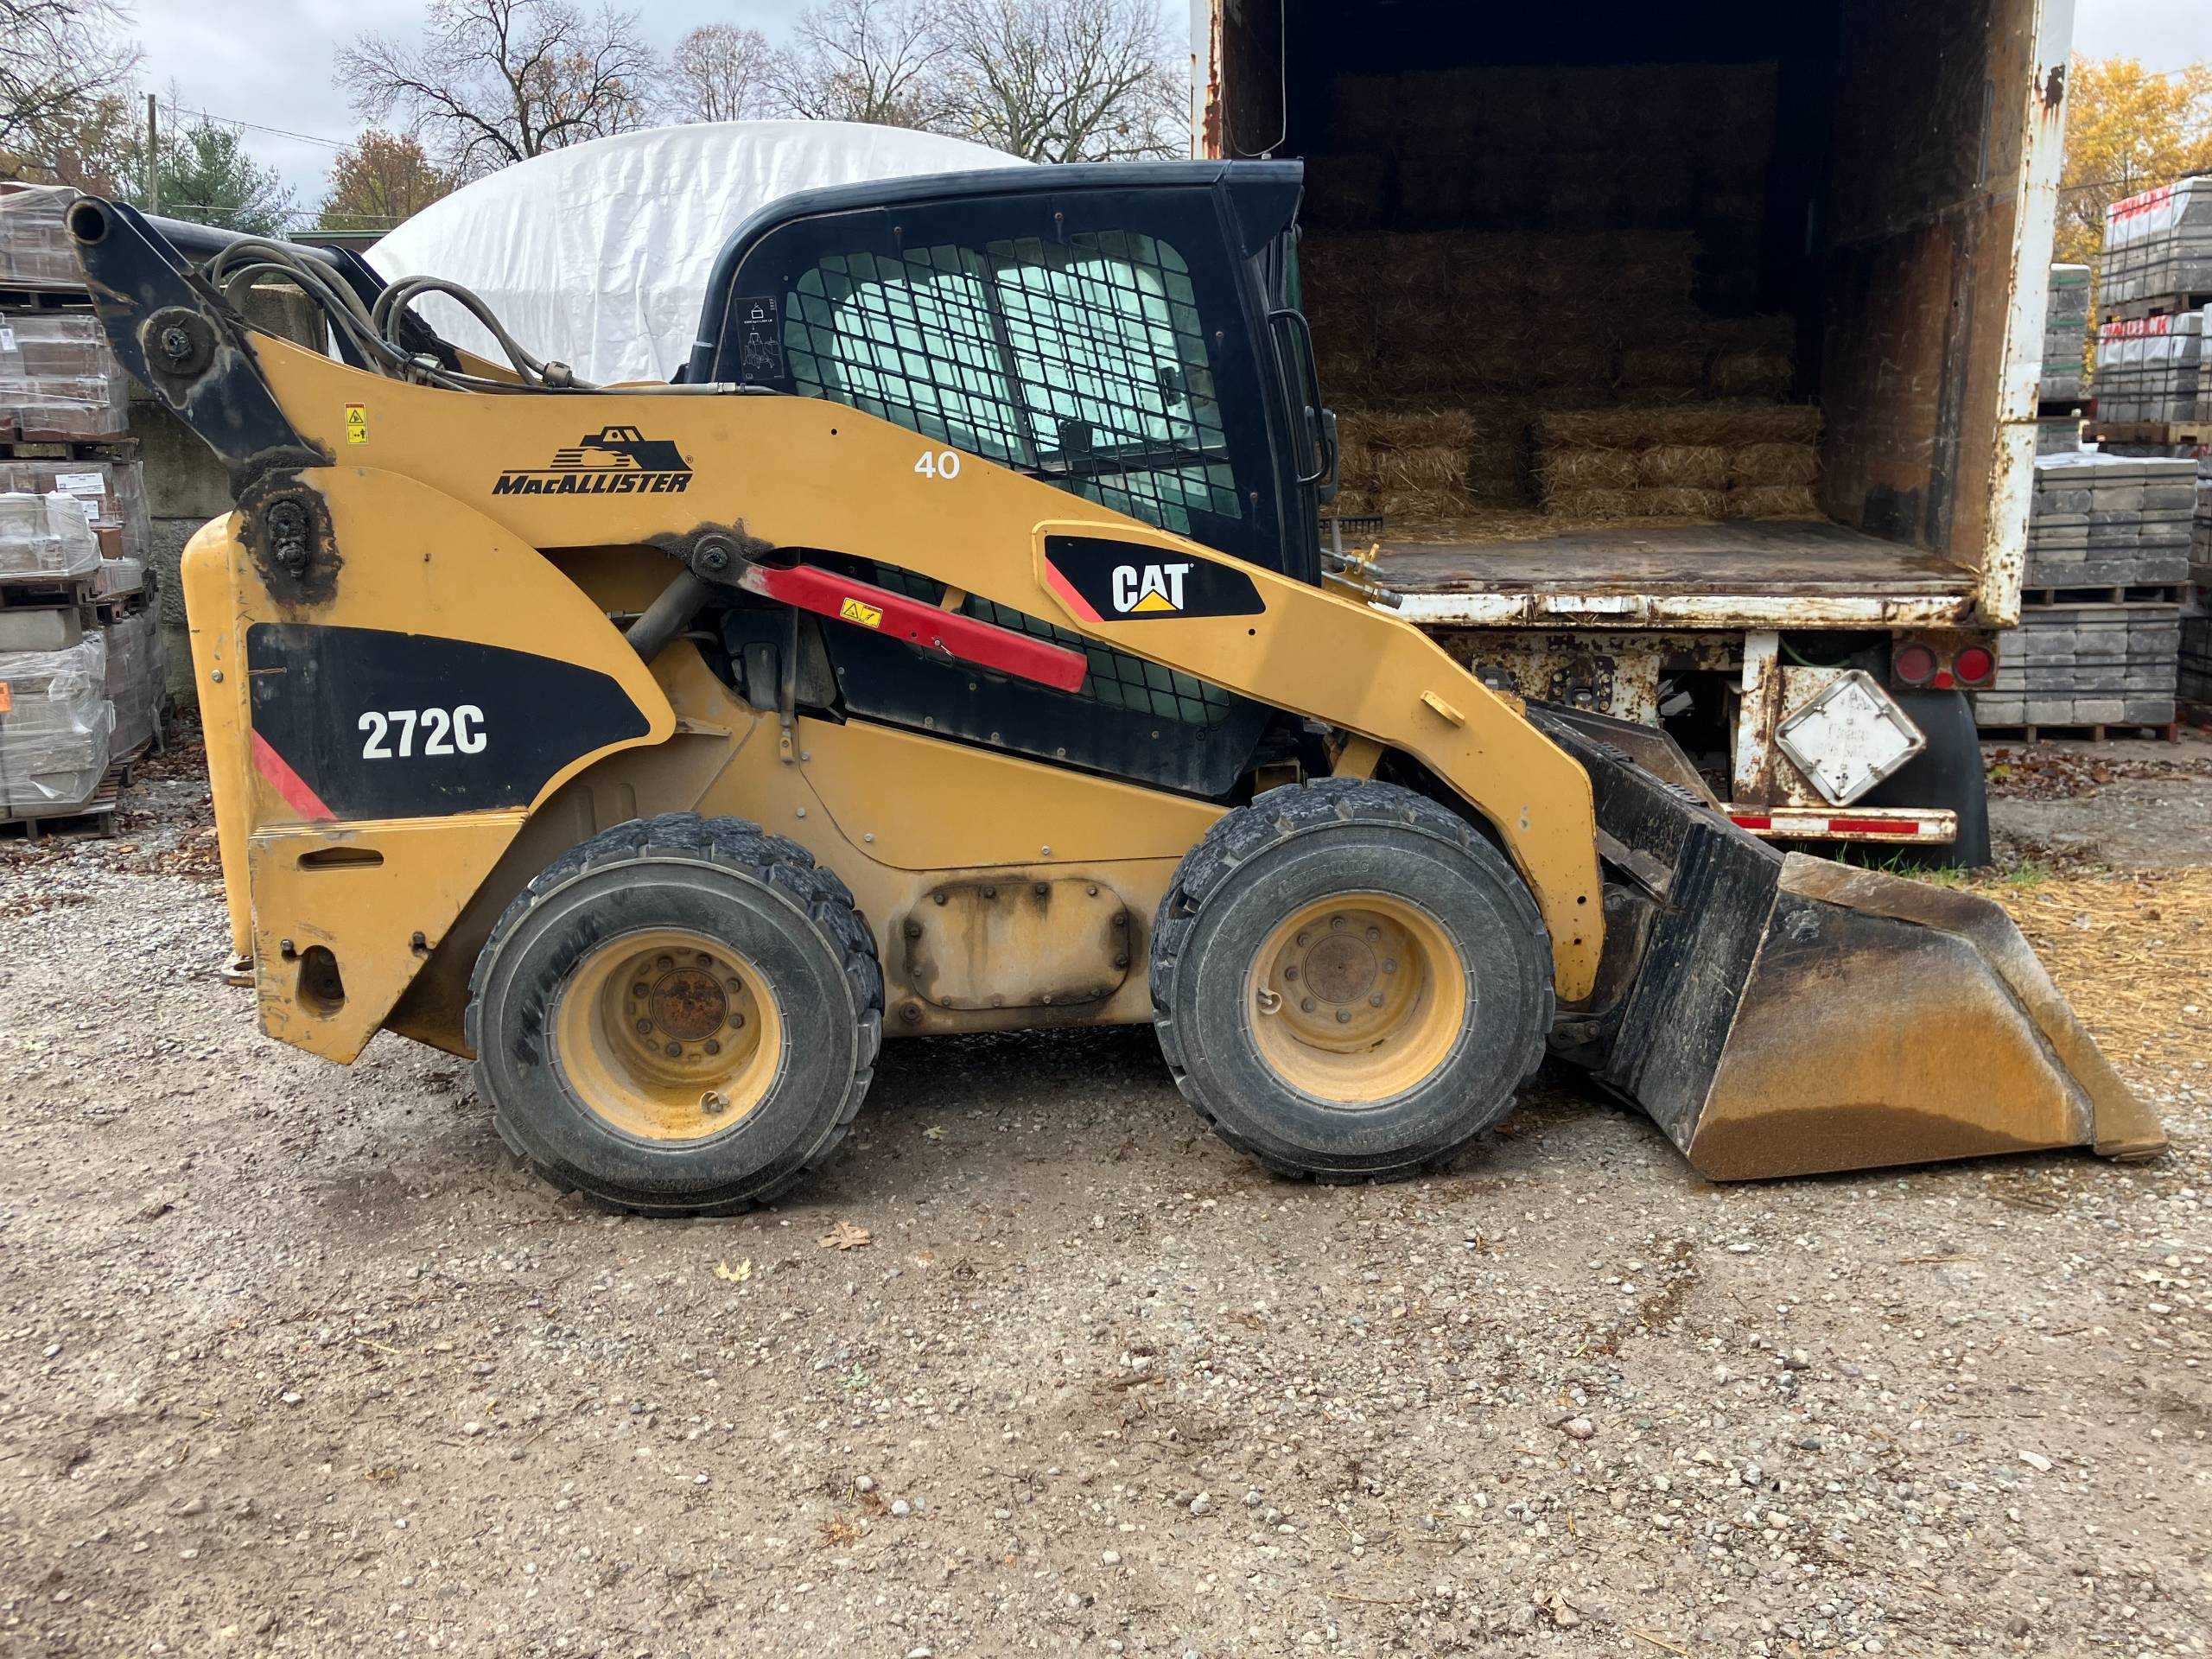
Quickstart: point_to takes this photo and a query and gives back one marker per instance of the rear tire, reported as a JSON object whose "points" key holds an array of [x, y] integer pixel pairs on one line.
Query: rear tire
{"points": [[1349, 982], [680, 1017]]}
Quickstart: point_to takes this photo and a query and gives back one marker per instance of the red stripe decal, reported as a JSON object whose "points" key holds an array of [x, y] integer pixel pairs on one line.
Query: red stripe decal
{"points": [[286, 782], [1753, 821], [1874, 826], [1065, 590], [862, 604]]}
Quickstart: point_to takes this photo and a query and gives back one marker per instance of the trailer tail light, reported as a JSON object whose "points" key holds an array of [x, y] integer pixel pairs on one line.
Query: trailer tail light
{"points": [[1975, 665], [1913, 664]]}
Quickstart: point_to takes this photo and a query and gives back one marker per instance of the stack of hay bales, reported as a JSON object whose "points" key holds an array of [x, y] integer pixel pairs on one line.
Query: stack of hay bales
{"points": [[1730, 459]]}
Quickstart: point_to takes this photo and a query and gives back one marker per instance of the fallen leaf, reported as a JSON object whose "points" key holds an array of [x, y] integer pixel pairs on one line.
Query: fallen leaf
{"points": [[935, 1132], [846, 1236], [736, 1276]]}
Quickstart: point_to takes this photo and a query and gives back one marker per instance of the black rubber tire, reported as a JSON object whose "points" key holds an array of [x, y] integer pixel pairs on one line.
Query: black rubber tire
{"points": [[730, 881], [1292, 846], [1949, 772]]}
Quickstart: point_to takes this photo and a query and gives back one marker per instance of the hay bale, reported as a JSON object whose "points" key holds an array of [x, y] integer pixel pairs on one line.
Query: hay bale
{"points": [[1562, 471], [1418, 428], [1656, 371], [1774, 501], [1753, 464], [1680, 502], [1753, 374], [1634, 426], [1683, 466], [1347, 192], [1592, 507]]}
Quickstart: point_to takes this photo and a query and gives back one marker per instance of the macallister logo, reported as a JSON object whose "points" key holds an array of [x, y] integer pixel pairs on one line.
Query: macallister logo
{"points": [[614, 461]]}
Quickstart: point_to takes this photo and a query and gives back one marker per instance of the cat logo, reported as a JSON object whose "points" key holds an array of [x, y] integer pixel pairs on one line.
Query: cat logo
{"points": [[1149, 589]]}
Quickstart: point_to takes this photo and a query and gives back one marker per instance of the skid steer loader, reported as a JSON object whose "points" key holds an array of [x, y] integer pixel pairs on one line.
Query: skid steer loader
{"points": [[950, 649]]}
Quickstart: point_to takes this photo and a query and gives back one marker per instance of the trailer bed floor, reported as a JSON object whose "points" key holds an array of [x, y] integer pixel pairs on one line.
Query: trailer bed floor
{"points": [[1778, 557]]}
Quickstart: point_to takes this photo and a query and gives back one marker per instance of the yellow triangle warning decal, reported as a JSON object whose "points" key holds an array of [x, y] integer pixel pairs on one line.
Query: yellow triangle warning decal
{"points": [[1152, 602]]}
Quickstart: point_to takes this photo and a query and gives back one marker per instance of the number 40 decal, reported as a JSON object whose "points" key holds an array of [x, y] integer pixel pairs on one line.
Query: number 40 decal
{"points": [[938, 463]]}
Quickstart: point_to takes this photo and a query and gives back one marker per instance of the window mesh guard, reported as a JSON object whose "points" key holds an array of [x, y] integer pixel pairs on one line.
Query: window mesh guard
{"points": [[1082, 363]]}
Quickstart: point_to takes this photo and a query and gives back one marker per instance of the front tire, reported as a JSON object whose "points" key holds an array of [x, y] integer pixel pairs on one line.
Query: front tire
{"points": [[679, 1017], [1349, 982]]}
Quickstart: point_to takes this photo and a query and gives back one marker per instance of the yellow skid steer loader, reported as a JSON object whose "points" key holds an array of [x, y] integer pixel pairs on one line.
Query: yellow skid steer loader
{"points": [[950, 649]]}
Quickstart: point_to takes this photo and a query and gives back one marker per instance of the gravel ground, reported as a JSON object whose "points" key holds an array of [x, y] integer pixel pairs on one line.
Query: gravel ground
{"points": [[294, 1359]]}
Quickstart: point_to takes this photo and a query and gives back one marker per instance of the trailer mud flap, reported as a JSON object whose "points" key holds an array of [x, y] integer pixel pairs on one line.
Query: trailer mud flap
{"points": [[1777, 1014]]}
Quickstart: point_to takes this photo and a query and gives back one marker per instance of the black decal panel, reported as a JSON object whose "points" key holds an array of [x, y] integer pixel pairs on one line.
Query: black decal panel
{"points": [[1128, 581], [380, 724]]}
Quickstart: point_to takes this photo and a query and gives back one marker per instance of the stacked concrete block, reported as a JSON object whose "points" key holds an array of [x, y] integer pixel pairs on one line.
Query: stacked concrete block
{"points": [[2087, 666], [2158, 245], [2110, 521], [55, 727], [2152, 369], [2195, 682], [2065, 335]]}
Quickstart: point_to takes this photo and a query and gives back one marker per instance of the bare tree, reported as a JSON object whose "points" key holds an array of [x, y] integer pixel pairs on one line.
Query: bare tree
{"points": [[496, 81], [56, 57], [875, 60], [720, 73], [1062, 80]]}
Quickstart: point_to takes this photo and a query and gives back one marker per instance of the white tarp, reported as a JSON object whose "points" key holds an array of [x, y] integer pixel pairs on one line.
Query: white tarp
{"points": [[598, 255]]}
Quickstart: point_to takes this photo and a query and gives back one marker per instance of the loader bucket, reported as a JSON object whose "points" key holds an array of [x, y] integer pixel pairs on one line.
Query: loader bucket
{"points": [[1777, 1014]]}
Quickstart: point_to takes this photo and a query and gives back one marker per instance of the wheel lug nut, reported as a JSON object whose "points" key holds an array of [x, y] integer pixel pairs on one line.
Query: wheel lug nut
{"points": [[668, 961], [674, 1051], [638, 989], [713, 1048], [737, 1022], [1389, 964], [1290, 973], [1306, 1003], [1373, 934], [1376, 1000], [644, 1024], [1303, 937], [1336, 921], [1343, 1016]]}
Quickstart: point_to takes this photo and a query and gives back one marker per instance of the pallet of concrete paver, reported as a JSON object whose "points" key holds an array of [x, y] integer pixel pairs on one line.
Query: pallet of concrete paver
{"points": [[2158, 245], [2065, 335], [2101, 521], [2151, 370], [2087, 664], [137, 677]]}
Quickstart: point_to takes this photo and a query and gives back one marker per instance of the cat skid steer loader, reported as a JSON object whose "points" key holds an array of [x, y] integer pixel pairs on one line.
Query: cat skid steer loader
{"points": [[951, 649]]}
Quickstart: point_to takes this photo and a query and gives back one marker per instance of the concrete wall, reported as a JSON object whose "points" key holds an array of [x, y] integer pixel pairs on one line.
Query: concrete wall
{"points": [[186, 486]]}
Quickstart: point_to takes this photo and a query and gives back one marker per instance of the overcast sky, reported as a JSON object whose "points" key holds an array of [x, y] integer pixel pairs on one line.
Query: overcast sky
{"points": [[269, 62]]}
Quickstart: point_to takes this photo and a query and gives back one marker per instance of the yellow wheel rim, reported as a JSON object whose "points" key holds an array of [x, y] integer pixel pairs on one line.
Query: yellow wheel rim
{"points": [[1355, 999], [668, 1035]]}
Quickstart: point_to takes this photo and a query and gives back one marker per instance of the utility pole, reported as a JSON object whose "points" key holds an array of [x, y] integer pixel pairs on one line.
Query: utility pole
{"points": [[153, 154]]}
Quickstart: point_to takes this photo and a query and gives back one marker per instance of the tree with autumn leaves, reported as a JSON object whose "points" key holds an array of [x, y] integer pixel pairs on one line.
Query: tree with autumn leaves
{"points": [[2127, 130]]}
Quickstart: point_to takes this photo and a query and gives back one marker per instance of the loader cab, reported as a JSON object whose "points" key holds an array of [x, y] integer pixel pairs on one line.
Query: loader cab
{"points": [[1117, 331]]}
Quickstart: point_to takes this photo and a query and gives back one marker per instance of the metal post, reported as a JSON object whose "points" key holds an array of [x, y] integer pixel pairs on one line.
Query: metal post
{"points": [[153, 154]]}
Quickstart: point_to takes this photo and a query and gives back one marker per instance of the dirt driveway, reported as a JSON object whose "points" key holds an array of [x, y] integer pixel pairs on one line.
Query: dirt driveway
{"points": [[293, 1359]]}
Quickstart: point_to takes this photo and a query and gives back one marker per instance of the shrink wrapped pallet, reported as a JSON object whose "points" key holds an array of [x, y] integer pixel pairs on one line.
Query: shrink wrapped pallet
{"points": [[2150, 369], [46, 539], [2158, 245], [35, 248], [55, 728], [59, 381], [136, 677], [113, 493], [2065, 335]]}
